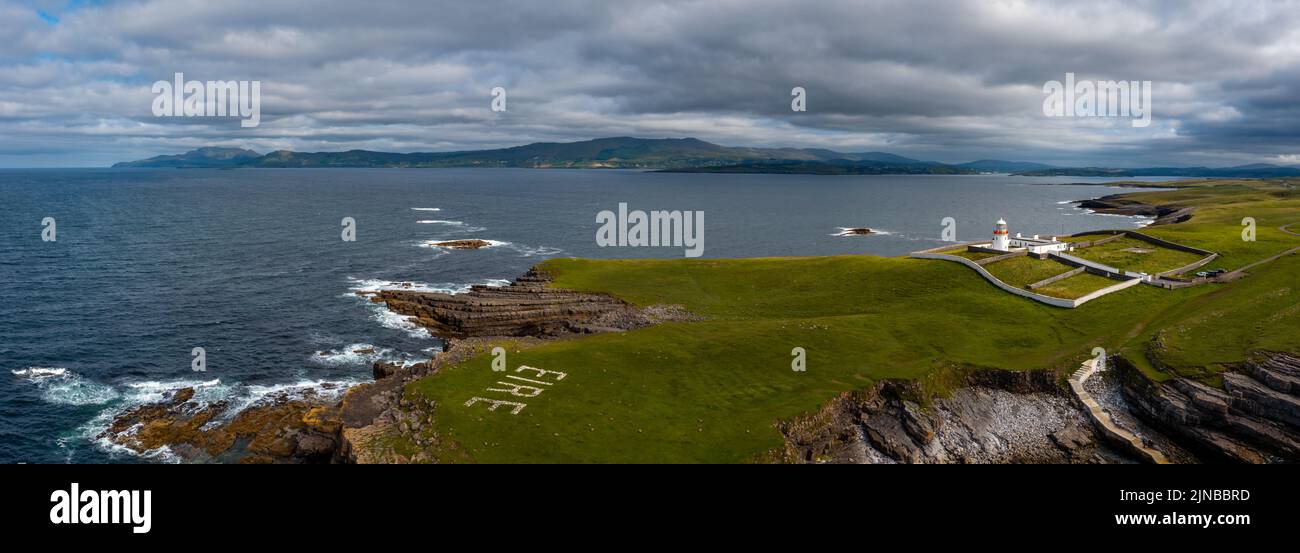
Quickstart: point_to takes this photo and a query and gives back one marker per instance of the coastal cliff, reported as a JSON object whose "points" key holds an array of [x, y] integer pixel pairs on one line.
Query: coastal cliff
{"points": [[1254, 418], [989, 416]]}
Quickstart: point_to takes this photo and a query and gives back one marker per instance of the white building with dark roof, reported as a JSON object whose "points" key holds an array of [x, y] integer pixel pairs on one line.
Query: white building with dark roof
{"points": [[1003, 241]]}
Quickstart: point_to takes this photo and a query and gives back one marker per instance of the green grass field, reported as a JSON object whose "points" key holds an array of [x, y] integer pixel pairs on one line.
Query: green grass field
{"points": [[712, 391], [973, 256], [1077, 286], [1135, 255], [1023, 271]]}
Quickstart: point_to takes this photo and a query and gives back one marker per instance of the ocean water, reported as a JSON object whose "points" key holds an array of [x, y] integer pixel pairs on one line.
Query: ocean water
{"points": [[250, 265]]}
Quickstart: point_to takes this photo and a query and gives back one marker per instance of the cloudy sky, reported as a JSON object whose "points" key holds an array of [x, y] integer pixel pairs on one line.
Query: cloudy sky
{"points": [[946, 80]]}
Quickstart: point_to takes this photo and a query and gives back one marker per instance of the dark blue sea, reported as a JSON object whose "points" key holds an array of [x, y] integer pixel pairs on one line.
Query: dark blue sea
{"points": [[250, 266]]}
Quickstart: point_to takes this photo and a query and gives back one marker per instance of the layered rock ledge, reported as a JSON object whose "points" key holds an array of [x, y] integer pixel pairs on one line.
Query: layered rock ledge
{"points": [[1255, 418], [993, 417], [527, 307]]}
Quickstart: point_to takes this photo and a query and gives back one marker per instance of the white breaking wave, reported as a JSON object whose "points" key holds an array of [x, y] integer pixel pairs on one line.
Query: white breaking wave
{"points": [[377, 285], [535, 251], [426, 209], [844, 231], [60, 386], [206, 392], [458, 227], [388, 318], [364, 355]]}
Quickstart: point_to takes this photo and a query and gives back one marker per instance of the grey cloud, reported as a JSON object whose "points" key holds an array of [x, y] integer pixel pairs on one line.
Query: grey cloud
{"points": [[948, 80]]}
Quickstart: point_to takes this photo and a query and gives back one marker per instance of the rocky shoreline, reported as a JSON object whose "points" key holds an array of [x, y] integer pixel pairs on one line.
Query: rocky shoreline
{"points": [[365, 423], [1120, 204]]}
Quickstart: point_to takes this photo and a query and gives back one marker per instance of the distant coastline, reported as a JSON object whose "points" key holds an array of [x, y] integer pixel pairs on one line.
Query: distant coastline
{"points": [[680, 155]]}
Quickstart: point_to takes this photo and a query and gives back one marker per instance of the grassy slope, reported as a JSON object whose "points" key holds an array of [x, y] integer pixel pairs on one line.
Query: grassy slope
{"points": [[711, 391]]}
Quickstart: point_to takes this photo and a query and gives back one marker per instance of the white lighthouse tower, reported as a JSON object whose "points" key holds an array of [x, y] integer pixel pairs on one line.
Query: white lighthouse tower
{"points": [[1001, 239]]}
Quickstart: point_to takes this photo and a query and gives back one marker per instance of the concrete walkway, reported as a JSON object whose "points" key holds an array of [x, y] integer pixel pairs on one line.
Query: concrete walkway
{"points": [[1103, 420]]}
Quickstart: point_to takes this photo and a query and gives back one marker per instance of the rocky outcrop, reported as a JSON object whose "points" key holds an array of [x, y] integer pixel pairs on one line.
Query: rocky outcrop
{"points": [[1120, 204], [472, 244], [1255, 418], [279, 429], [994, 417], [527, 307]]}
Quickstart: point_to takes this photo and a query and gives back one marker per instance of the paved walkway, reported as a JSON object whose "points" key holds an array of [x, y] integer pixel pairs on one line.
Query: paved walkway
{"points": [[1102, 419]]}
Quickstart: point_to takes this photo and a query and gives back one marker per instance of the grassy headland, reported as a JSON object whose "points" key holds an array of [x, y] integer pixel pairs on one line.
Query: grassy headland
{"points": [[711, 391]]}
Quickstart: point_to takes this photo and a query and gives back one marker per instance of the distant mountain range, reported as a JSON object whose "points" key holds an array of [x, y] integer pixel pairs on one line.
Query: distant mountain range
{"points": [[200, 158], [668, 154]]}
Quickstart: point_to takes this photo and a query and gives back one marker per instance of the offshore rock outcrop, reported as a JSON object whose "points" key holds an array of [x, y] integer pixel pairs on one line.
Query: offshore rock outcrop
{"points": [[527, 307], [1255, 418], [993, 417]]}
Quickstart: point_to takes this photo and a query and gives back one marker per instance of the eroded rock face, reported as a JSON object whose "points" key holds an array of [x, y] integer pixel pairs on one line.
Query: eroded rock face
{"points": [[999, 417], [524, 308], [280, 429], [1255, 418], [1117, 204]]}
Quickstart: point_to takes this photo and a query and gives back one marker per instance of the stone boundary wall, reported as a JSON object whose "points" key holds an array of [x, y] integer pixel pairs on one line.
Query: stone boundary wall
{"points": [[1103, 270], [1099, 293], [1056, 278], [1190, 267], [1057, 302], [1167, 244], [998, 258], [1114, 236], [1207, 255]]}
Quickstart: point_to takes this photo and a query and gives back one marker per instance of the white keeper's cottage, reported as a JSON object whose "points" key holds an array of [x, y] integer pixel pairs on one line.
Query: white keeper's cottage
{"points": [[1003, 241]]}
